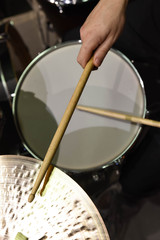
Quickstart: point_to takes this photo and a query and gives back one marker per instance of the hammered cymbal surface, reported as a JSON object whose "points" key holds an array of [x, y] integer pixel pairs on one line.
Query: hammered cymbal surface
{"points": [[63, 212]]}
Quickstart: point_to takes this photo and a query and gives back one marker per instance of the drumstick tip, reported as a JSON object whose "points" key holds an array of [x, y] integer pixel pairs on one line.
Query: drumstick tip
{"points": [[31, 197]]}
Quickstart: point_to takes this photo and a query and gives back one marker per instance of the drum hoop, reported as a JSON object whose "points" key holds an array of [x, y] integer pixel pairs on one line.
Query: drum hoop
{"points": [[45, 53]]}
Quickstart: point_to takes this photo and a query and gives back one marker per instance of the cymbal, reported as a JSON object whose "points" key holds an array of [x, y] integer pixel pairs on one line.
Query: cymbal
{"points": [[64, 211]]}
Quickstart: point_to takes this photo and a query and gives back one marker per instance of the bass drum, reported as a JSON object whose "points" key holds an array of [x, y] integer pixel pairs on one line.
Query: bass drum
{"points": [[91, 142]]}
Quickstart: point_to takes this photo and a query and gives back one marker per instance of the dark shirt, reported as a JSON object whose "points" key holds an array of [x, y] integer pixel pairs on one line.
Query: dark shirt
{"points": [[140, 38]]}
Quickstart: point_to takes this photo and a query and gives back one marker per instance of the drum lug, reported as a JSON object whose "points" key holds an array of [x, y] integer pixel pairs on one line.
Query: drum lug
{"points": [[119, 161], [98, 176], [95, 177]]}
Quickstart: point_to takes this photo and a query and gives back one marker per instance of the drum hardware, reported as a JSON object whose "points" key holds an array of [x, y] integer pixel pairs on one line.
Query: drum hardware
{"points": [[99, 142], [2, 122], [153, 110], [8, 83], [95, 182], [96, 177], [10, 40], [114, 170], [1, 114], [63, 212], [3, 37], [4, 86], [7, 75], [16, 44]]}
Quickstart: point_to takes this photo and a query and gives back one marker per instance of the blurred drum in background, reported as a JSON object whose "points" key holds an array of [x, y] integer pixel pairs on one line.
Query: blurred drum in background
{"points": [[7, 73], [11, 46], [91, 143], [66, 15]]}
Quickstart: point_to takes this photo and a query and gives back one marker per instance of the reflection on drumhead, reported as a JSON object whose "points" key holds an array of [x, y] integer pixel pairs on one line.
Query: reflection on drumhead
{"points": [[90, 141], [92, 144]]}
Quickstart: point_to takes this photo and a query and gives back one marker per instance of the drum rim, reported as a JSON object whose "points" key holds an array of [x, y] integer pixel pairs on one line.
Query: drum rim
{"points": [[41, 56]]}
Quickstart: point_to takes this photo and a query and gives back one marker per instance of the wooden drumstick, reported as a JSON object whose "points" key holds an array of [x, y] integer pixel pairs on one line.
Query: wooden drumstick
{"points": [[62, 127], [121, 116], [46, 179]]}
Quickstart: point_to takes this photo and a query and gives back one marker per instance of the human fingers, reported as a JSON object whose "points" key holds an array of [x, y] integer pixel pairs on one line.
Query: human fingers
{"points": [[90, 42], [96, 47], [100, 30], [86, 51], [101, 52], [105, 46]]}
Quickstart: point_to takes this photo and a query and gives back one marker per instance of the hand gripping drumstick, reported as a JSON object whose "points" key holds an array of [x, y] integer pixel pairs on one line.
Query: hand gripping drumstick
{"points": [[62, 127]]}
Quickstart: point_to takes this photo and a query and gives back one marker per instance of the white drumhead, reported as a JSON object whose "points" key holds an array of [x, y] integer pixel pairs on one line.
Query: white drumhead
{"points": [[90, 141]]}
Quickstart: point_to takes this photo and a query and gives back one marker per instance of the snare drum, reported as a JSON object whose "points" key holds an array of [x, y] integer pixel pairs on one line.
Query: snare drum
{"points": [[90, 142]]}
